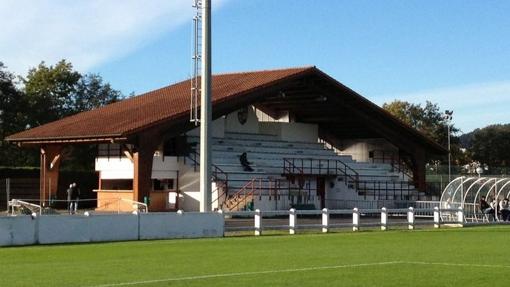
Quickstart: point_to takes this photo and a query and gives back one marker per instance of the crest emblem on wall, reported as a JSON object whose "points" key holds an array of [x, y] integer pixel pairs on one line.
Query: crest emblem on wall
{"points": [[242, 115]]}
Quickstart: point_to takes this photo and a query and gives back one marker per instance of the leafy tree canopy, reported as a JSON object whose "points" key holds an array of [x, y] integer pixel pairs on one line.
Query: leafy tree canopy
{"points": [[46, 94], [490, 145], [430, 121], [54, 92]]}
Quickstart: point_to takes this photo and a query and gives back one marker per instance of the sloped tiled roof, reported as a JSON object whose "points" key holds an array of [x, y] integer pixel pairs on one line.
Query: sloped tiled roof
{"points": [[137, 113]]}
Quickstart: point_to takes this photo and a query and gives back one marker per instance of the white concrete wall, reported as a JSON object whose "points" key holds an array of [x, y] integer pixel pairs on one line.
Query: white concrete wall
{"points": [[113, 227], [63, 229], [123, 168], [51, 229], [218, 129], [251, 126], [360, 148], [263, 117], [186, 225], [299, 132], [115, 167], [189, 185], [340, 191], [17, 230]]}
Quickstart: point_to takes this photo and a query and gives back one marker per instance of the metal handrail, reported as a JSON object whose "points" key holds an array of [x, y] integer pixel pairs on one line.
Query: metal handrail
{"points": [[216, 171], [248, 189], [289, 164], [13, 203], [139, 205]]}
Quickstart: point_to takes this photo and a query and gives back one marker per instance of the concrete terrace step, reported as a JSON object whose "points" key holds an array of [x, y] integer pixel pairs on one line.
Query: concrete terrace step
{"points": [[273, 150], [250, 136], [272, 158], [256, 142]]}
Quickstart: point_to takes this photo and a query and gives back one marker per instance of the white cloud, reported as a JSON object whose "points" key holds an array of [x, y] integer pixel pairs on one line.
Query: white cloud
{"points": [[86, 32], [475, 105]]}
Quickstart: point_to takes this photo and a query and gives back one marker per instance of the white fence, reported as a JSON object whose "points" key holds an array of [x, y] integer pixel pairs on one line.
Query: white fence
{"points": [[355, 219], [49, 229]]}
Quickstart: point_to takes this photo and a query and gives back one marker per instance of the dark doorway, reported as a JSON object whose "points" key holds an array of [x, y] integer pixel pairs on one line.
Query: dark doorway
{"points": [[321, 190]]}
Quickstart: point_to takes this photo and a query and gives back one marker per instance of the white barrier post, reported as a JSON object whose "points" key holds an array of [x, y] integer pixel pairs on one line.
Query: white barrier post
{"points": [[436, 217], [258, 222], [410, 218], [460, 217], [292, 221], [325, 220], [384, 218], [355, 219], [223, 217]]}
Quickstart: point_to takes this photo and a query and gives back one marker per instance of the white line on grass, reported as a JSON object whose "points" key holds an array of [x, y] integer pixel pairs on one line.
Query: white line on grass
{"points": [[455, 264], [209, 276], [246, 273]]}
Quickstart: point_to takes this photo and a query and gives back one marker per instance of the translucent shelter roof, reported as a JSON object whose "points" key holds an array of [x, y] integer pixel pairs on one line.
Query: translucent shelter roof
{"points": [[466, 192]]}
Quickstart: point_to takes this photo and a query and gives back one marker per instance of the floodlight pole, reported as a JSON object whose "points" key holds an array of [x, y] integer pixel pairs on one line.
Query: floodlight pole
{"points": [[205, 111], [448, 117], [449, 155]]}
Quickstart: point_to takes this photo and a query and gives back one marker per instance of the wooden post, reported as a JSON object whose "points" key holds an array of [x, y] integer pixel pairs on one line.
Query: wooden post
{"points": [[49, 171], [143, 157], [419, 162]]}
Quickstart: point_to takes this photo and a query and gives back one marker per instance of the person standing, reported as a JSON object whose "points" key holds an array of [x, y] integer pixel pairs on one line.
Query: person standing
{"points": [[75, 197], [69, 192]]}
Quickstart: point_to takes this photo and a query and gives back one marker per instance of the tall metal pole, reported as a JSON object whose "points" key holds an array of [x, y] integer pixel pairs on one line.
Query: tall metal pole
{"points": [[449, 156], [205, 111]]}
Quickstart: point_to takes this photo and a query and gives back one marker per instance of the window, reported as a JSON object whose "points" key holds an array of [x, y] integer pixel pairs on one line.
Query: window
{"points": [[163, 184]]}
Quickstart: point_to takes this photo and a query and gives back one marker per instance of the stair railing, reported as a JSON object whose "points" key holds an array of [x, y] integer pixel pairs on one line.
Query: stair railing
{"points": [[249, 189], [219, 176], [313, 166]]}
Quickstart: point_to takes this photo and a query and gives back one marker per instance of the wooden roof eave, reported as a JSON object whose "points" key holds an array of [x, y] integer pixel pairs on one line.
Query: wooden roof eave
{"points": [[68, 140]]}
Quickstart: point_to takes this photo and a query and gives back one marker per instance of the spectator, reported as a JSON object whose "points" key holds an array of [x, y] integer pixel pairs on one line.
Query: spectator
{"points": [[244, 162], [485, 207], [69, 196], [73, 197], [504, 208]]}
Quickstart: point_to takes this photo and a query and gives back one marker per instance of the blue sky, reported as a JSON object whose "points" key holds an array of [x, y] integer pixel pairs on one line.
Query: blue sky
{"points": [[455, 53]]}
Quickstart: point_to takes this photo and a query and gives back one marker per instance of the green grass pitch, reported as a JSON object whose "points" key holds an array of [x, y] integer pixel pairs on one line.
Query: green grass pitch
{"points": [[449, 257]]}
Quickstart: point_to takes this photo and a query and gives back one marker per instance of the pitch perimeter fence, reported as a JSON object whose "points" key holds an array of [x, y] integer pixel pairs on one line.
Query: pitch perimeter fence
{"points": [[326, 220]]}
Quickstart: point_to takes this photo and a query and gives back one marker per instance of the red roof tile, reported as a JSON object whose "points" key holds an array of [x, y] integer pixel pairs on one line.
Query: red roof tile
{"points": [[139, 112]]}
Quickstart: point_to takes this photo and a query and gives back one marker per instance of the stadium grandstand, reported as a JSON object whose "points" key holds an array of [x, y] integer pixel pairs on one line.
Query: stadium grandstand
{"points": [[281, 138]]}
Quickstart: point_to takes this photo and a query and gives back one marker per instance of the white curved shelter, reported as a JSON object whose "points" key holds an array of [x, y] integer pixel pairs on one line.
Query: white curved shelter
{"points": [[466, 192]]}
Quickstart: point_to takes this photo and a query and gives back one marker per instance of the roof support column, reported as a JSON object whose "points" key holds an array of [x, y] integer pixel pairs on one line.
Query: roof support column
{"points": [[143, 157], [419, 160], [49, 170]]}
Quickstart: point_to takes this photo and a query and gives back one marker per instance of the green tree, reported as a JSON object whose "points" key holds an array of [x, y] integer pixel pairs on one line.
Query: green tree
{"points": [[12, 119], [54, 92], [46, 94], [490, 145], [430, 121], [49, 91]]}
